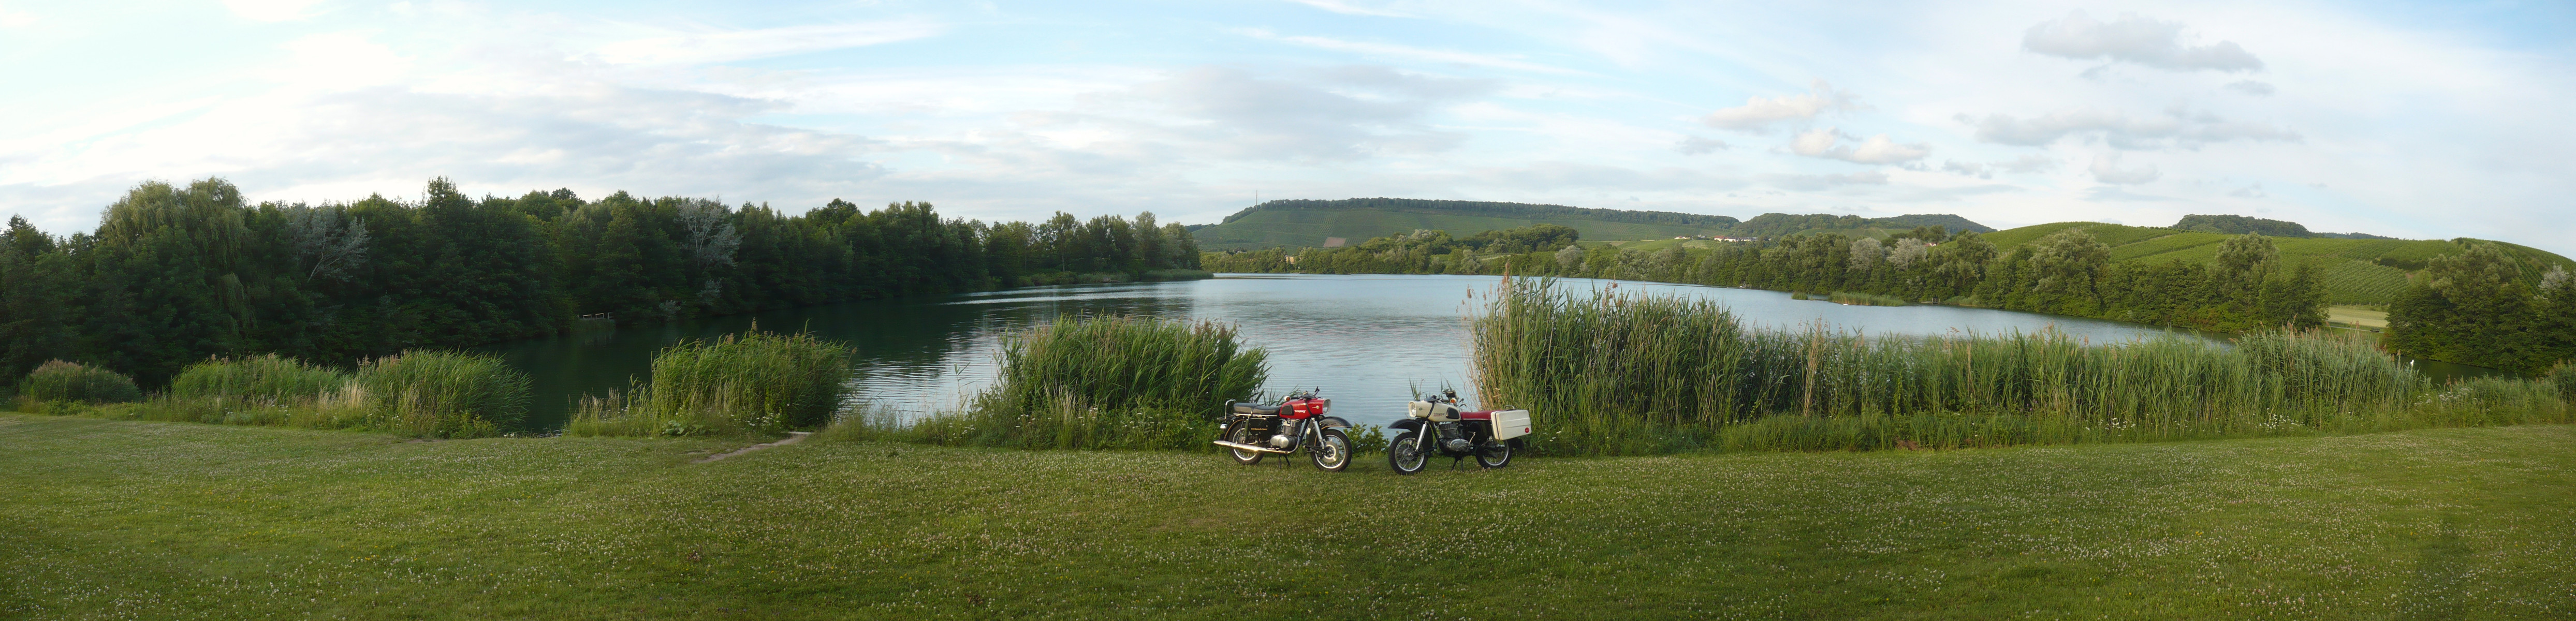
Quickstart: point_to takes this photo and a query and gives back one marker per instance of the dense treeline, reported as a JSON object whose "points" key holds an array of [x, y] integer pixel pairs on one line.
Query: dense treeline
{"points": [[2068, 273], [176, 274], [2487, 307]]}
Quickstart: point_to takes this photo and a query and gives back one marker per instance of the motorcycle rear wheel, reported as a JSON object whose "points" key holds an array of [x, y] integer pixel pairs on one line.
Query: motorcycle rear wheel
{"points": [[1332, 451], [1405, 454], [1243, 434], [1494, 454]]}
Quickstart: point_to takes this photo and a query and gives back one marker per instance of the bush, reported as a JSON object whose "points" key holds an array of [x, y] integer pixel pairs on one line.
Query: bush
{"points": [[57, 380], [443, 393], [1104, 382], [267, 377], [758, 382]]}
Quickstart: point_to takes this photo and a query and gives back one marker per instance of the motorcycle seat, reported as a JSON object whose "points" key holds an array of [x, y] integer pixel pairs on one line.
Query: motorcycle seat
{"points": [[1484, 415], [1258, 409]]}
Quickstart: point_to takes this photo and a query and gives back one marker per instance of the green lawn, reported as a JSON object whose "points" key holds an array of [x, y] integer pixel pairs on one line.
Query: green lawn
{"points": [[109, 519]]}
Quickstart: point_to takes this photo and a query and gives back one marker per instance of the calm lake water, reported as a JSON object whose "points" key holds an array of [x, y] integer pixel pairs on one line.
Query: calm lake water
{"points": [[1367, 340]]}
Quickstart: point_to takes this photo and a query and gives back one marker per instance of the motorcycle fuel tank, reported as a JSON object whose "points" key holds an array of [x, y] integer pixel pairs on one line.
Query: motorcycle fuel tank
{"points": [[1434, 411]]}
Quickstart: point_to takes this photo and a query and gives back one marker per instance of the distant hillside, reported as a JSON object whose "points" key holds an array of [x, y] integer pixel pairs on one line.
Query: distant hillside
{"points": [[2240, 225], [2357, 271], [1316, 223], [1781, 224]]}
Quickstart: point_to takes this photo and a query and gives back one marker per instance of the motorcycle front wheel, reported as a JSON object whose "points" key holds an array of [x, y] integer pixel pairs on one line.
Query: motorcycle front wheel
{"points": [[1494, 454], [1243, 434], [1405, 455], [1332, 451]]}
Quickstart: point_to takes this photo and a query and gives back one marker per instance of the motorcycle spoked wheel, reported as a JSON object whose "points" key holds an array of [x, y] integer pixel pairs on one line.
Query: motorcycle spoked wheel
{"points": [[1405, 454], [1243, 434], [1332, 451], [1494, 454]]}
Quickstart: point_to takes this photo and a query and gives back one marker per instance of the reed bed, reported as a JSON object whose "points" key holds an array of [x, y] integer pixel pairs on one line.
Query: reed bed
{"points": [[267, 376], [1865, 299], [756, 382], [419, 393], [441, 393], [1097, 382], [61, 381], [1636, 374]]}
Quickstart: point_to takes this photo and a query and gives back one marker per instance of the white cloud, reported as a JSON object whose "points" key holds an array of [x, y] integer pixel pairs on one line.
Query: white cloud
{"points": [[1824, 182], [16, 19], [1404, 52], [1698, 145], [272, 10], [1345, 8], [2251, 87], [1759, 112], [735, 45], [1821, 143], [2176, 128], [2106, 169], [1986, 170], [2134, 39]]}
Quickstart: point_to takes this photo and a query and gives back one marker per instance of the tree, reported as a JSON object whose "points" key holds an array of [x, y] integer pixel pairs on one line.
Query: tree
{"points": [[2473, 308]]}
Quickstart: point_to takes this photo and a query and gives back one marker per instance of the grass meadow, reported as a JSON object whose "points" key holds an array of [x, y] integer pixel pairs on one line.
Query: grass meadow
{"points": [[118, 519]]}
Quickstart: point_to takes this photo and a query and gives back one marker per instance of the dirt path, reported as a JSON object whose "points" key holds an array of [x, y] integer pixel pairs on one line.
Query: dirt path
{"points": [[792, 438]]}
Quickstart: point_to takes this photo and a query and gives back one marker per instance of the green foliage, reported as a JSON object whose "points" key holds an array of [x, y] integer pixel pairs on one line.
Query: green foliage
{"points": [[74, 382], [2480, 307], [1105, 382], [443, 393], [175, 275], [1636, 374], [266, 376], [756, 382]]}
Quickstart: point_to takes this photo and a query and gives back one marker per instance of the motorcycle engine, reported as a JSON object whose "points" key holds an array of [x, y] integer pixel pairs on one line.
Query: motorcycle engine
{"points": [[1451, 437], [1287, 434]]}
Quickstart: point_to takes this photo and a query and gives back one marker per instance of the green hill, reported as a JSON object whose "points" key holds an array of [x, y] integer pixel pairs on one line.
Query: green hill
{"points": [[1316, 223], [2356, 271]]}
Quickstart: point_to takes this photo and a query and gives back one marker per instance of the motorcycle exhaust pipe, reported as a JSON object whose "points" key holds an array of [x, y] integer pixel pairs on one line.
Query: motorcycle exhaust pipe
{"points": [[1248, 447]]}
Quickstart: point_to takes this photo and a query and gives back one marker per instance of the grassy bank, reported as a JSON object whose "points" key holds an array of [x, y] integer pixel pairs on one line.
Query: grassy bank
{"points": [[109, 519], [1634, 374]]}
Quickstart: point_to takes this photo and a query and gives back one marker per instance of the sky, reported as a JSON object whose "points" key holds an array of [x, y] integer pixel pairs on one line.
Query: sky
{"points": [[2431, 120]]}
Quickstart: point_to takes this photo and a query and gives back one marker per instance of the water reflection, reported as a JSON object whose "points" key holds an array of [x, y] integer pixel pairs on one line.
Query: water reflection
{"points": [[1368, 340]]}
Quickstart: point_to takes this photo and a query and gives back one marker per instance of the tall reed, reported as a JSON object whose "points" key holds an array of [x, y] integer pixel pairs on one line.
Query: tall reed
{"points": [[267, 376], [441, 393], [1629, 374], [61, 381], [756, 382], [1102, 382]]}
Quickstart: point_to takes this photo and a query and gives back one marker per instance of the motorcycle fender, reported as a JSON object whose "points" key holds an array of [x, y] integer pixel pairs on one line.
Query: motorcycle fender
{"points": [[1409, 424], [1333, 421]]}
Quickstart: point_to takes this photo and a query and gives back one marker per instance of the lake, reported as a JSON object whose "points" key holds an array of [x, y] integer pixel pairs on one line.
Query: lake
{"points": [[1368, 340]]}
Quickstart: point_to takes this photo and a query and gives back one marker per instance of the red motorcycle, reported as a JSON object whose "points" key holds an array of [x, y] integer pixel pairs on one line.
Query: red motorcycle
{"points": [[1255, 430]]}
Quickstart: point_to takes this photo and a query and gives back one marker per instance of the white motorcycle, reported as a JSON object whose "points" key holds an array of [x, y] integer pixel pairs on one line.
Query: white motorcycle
{"points": [[1437, 425]]}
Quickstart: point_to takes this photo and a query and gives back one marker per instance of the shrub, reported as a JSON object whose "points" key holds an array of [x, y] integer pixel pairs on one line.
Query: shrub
{"points": [[757, 382], [266, 377], [442, 393], [58, 380], [1104, 382]]}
